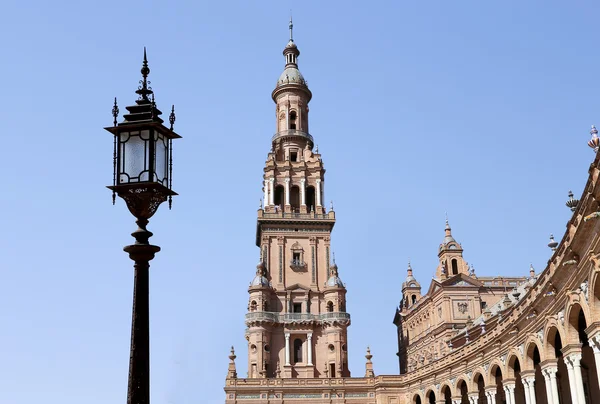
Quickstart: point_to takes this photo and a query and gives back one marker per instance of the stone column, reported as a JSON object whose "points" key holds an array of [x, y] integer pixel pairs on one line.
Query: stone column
{"points": [[573, 362], [490, 393], [266, 198], [456, 400], [595, 344], [473, 397], [287, 349], [509, 388], [529, 382], [271, 191], [571, 376], [309, 347], [551, 384], [318, 189], [303, 192], [287, 191]]}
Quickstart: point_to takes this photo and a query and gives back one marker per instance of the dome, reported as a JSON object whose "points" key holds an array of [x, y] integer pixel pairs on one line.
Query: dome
{"points": [[291, 44], [335, 281], [291, 75], [259, 280]]}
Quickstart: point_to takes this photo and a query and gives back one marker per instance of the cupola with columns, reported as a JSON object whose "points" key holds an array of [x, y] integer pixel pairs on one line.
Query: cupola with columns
{"points": [[450, 256]]}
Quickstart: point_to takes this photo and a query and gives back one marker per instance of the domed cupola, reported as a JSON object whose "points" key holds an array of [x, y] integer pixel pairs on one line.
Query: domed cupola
{"points": [[291, 78], [334, 280], [451, 258], [411, 289], [410, 281], [260, 280]]}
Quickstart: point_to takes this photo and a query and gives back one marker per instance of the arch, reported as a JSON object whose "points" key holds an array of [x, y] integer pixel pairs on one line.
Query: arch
{"points": [[496, 374], [293, 119], [594, 294], [532, 348], [417, 399], [430, 397], [295, 198], [553, 332], [491, 374], [330, 306], [279, 198], [514, 372], [253, 305], [478, 371], [454, 266], [297, 350], [576, 321], [478, 384], [446, 392], [310, 198], [513, 365], [413, 299], [462, 390]]}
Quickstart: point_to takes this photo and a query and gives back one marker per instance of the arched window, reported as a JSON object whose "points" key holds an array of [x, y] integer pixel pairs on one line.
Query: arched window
{"points": [[310, 198], [279, 192], [253, 305], [297, 350], [414, 299], [295, 198], [293, 120], [454, 267], [329, 307]]}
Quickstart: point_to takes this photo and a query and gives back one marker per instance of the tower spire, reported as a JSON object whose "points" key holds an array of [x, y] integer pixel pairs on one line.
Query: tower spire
{"points": [[291, 28]]}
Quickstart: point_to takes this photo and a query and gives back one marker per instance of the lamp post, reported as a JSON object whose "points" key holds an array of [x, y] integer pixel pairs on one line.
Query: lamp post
{"points": [[142, 164]]}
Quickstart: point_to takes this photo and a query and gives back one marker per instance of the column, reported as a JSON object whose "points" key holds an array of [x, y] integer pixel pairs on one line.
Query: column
{"points": [[309, 341], [303, 192], [529, 384], [509, 388], [271, 191], [318, 189], [287, 191], [572, 387], [287, 349], [491, 395], [266, 198], [595, 344], [473, 397], [551, 385], [527, 389], [456, 400], [574, 362]]}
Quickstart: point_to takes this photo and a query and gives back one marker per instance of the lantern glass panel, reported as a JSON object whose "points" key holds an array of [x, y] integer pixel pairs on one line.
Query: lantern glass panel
{"points": [[161, 159], [134, 156]]}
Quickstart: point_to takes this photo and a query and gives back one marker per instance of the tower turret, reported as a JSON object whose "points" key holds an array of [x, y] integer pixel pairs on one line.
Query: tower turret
{"points": [[450, 254], [411, 289]]}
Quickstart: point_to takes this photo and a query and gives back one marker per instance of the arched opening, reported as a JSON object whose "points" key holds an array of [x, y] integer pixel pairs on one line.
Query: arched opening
{"points": [[577, 326], [430, 397], [293, 118], [297, 350], [534, 359], [480, 389], [597, 294], [414, 299], [295, 198], [253, 305], [454, 267], [417, 399], [496, 374], [554, 350], [329, 307], [515, 367], [447, 394], [279, 197], [310, 198], [464, 392]]}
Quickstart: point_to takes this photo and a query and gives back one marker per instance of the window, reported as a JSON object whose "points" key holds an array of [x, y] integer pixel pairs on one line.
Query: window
{"points": [[253, 306], [292, 120], [297, 350], [329, 307], [454, 267], [332, 370], [294, 156], [297, 308], [414, 299], [296, 258]]}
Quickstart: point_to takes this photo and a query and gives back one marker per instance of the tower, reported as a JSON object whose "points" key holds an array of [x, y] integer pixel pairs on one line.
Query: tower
{"points": [[296, 316], [450, 255]]}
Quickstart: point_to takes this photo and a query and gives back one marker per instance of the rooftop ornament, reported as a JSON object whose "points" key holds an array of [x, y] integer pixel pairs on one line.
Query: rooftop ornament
{"points": [[594, 142], [552, 244], [572, 202]]}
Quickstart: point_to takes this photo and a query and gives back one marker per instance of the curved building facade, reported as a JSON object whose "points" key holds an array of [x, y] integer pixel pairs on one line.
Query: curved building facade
{"points": [[469, 339]]}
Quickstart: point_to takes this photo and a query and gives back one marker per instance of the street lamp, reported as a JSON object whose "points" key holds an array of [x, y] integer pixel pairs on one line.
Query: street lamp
{"points": [[142, 171]]}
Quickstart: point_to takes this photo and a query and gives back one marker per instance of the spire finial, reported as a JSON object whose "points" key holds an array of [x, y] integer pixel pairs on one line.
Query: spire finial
{"points": [[291, 28], [144, 89], [333, 257]]}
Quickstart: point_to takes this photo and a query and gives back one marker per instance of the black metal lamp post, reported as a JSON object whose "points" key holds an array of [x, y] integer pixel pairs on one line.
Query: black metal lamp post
{"points": [[142, 163]]}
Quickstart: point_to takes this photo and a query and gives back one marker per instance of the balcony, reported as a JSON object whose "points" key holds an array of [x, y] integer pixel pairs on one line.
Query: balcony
{"points": [[289, 318], [297, 265], [291, 133], [293, 215]]}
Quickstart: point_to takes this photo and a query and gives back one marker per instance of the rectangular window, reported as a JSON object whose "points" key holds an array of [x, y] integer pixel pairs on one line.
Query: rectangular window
{"points": [[294, 155], [297, 307]]}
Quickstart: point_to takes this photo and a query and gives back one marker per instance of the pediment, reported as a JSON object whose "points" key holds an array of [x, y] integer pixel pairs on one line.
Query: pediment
{"points": [[297, 287], [434, 287], [462, 280]]}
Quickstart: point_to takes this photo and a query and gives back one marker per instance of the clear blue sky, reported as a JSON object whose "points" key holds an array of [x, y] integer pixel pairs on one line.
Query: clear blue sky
{"points": [[480, 109]]}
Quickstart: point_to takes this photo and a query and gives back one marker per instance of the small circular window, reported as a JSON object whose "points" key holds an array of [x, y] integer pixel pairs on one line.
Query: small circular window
{"points": [[253, 348], [344, 347], [267, 348], [331, 347]]}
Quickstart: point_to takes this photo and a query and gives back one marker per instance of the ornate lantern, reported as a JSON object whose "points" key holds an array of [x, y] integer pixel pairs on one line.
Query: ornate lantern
{"points": [[142, 155]]}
